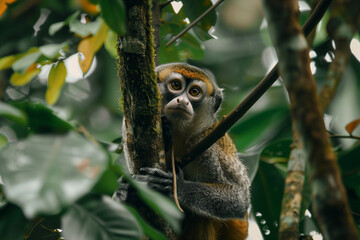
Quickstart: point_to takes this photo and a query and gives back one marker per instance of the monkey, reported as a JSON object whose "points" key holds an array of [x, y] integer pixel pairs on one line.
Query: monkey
{"points": [[214, 188]]}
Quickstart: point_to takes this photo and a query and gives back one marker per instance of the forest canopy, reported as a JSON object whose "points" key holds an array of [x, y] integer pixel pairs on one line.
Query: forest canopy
{"points": [[61, 112]]}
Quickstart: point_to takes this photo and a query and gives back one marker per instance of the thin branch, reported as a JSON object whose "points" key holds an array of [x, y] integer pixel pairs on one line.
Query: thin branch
{"points": [[228, 121], [195, 22], [345, 136], [164, 4]]}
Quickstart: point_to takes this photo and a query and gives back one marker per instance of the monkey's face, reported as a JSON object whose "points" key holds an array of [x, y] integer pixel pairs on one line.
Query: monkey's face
{"points": [[182, 98], [190, 96]]}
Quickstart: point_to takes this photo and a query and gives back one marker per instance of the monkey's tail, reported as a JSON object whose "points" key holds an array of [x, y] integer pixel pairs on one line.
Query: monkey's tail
{"points": [[174, 178]]}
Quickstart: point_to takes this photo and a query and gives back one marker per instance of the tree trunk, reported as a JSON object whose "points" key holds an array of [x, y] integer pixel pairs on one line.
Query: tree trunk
{"points": [[330, 205], [141, 99]]}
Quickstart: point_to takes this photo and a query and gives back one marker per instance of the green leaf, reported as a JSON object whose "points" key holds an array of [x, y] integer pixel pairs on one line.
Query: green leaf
{"points": [[52, 50], [161, 205], [12, 223], [113, 12], [41, 118], [277, 151], [187, 47], [193, 9], [3, 143], [12, 113], [26, 61], [107, 183], [99, 218], [55, 27], [259, 127], [45, 173], [110, 44], [85, 29], [267, 191], [148, 230]]}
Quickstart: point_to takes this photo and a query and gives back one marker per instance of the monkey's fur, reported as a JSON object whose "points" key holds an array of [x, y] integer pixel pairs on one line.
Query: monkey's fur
{"points": [[214, 189]]}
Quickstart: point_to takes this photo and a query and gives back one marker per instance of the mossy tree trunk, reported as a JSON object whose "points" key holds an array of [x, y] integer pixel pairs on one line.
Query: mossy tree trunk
{"points": [[141, 99], [330, 204]]}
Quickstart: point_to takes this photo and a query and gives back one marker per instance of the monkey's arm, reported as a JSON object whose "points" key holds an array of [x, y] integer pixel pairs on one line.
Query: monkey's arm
{"points": [[219, 200]]}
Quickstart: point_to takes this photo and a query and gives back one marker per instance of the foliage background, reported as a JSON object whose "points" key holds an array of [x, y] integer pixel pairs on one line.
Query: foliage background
{"points": [[237, 50]]}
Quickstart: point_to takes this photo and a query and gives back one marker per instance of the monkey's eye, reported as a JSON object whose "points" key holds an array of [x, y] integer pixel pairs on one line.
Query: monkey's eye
{"points": [[195, 91], [176, 85]]}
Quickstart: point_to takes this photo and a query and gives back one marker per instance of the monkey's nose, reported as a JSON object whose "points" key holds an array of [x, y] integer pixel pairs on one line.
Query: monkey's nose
{"points": [[181, 100]]}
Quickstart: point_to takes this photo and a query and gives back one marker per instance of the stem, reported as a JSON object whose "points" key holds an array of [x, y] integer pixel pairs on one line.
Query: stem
{"points": [[195, 22]]}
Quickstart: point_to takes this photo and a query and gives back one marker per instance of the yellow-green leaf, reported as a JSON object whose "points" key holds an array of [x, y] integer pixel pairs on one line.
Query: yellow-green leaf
{"points": [[56, 80], [89, 46], [7, 62], [20, 79]]}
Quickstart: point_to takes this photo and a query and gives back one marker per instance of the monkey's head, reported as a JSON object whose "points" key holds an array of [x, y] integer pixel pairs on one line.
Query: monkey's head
{"points": [[191, 97]]}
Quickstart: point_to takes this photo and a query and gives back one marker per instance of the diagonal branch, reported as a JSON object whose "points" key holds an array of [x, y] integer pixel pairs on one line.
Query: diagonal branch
{"points": [[194, 22], [228, 121]]}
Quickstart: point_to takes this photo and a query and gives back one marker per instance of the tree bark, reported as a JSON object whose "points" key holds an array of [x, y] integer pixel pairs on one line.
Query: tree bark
{"points": [[141, 99], [330, 205]]}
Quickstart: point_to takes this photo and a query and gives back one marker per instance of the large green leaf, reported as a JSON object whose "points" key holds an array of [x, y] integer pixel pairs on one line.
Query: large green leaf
{"points": [[187, 47], [99, 218], [12, 223], [41, 118], [44, 173], [12, 113], [259, 127], [148, 230], [193, 9], [113, 12], [267, 191], [161, 205]]}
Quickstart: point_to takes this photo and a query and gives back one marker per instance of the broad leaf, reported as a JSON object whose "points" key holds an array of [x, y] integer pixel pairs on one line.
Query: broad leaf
{"points": [[259, 127], [113, 12], [99, 218], [22, 64], [12, 223], [193, 9], [56, 80], [44, 173], [51, 50], [12, 113], [161, 205], [148, 230], [85, 29], [267, 191], [41, 118]]}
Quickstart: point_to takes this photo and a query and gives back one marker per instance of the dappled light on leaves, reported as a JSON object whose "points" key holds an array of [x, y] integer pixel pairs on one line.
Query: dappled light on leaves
{"points": [[19, 79]]}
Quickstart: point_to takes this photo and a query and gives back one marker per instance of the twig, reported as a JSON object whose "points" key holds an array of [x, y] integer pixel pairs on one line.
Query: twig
{"points": [[345, 136], [227, 122], [194, 22], [174, 178], [164, 4]]}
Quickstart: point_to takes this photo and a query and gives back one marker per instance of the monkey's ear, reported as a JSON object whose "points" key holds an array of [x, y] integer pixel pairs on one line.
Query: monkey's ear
{"points": [[218, 99]]}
